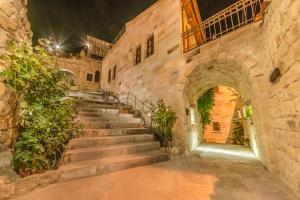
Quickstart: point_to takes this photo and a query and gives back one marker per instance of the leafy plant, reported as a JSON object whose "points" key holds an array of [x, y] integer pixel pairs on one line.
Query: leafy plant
{"points": [[46, 121], [163, 118], [238, 132], [204, 105]]}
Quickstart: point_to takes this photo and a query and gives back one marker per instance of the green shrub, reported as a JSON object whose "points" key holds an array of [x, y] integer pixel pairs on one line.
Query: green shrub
{"points": [[163, 118], [46, 121], [205, 105], [238, 132]]}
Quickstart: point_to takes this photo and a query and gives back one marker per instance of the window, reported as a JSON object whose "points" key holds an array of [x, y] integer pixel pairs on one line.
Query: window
{"points": [[97, 77], [138, 54], [109, 76], [89, 77], [114, 73], [150, 46], [216, 127]]}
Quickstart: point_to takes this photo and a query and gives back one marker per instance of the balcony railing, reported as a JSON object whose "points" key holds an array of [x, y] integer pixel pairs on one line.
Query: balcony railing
{"points": [[123, 30], [231, 18]]}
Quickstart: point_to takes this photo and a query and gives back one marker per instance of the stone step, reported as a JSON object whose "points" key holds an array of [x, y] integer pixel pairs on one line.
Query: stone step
{"points": [[110, 119], [98, 113], [106, 165], [108, 140], [74, 155], [98, 108], [103, 125], [113, 132], [108, 116]]}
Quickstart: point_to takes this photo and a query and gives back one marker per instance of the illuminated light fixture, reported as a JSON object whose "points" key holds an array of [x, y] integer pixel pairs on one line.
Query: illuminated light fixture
{"points": [[87, 44], [57, 46]]}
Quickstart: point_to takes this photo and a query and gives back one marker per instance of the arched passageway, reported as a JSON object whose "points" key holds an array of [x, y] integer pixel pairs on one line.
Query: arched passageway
{"points": [[69, 79], [228, 74]]}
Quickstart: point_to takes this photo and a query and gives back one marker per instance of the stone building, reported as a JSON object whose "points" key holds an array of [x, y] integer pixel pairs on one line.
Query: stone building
{"points": [[12, 17], [152, 60], [148, 61], [222, 115], [84, 72]]}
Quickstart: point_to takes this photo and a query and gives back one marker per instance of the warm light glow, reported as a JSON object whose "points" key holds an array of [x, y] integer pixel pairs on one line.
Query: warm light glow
{"points": [[226, 151], [193, 117], [57, 46]]}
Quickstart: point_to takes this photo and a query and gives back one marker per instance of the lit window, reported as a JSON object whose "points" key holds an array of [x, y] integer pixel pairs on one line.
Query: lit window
{"points": [[89, 77], [150, 46], [216, 127], [109, 76], [138, 54], [97, 77]]}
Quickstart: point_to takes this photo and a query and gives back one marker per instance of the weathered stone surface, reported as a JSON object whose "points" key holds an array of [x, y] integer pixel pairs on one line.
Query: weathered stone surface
{"points": [[12, 16], [243, 60]]}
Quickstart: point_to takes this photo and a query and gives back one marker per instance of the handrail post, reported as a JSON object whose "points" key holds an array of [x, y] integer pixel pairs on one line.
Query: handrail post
{"points": [[134, 102], [127, 103]]}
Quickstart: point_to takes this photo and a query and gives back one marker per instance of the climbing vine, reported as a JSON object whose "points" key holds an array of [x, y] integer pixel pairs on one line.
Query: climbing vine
{"points": [[46, 121], [204, 105]]}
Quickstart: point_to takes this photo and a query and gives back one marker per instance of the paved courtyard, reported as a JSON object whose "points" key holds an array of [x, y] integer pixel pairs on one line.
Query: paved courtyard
{"points": [[212, 173]]}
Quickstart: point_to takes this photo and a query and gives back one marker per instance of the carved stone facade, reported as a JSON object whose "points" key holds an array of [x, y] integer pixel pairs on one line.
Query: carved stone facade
{"points": [[12, 16], [243, 60]]}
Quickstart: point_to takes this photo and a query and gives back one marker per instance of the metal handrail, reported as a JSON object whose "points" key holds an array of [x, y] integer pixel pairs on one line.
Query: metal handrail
{"points": [[131, 100]]}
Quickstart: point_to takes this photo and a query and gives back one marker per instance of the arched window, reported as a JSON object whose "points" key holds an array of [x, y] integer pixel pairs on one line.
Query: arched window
{"points": [[138, 54], [150, 45], [114, 72], [109, 76], [97, 77]]}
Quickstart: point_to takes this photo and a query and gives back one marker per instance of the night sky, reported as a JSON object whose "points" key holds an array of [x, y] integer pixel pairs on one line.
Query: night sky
{"points": [[69, 21]]}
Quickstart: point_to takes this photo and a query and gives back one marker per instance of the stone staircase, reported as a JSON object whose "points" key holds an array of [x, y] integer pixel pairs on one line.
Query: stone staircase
{"points": [[112, 139]]}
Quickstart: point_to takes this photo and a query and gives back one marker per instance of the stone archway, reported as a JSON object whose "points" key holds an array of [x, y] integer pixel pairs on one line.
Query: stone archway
{"points": [[70, 79], [227, 72]]}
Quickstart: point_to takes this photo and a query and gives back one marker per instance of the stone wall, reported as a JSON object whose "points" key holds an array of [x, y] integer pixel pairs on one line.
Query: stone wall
{"points": [[243, 60], [281, 49], [221, 113], [80, 67], [12, 16]]}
